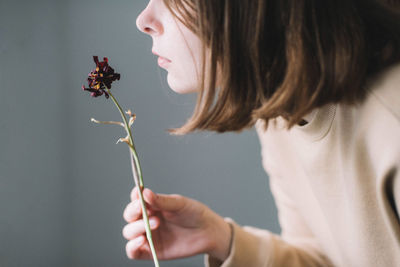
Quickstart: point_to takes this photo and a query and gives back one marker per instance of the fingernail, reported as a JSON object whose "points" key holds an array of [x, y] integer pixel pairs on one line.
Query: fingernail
{"points": [[129, 215], [152, 222]]}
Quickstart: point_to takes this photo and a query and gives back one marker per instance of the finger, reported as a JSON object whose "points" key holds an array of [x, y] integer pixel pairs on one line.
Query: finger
{"points": [[164, 202], [133, 211], [134, 194], [144, 252], [133, 247], [137, 228]]}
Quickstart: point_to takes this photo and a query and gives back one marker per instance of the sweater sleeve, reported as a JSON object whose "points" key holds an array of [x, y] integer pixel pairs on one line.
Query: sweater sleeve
{"points": [[295, 247]]}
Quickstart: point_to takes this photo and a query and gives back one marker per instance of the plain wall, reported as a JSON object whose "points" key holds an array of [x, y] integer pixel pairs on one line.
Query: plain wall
{"points": [[64, 183]]}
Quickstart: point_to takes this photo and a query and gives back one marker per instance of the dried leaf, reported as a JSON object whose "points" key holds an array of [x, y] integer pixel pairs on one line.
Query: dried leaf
{"points": [[124, 140], [107, 122], [129, 112], [132, 120]]}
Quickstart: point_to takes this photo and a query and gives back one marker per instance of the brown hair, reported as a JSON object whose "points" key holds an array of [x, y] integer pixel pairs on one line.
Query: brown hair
{"points": [[284, 57]]}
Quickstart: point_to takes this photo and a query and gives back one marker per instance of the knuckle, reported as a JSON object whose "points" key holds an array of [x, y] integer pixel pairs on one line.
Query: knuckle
{"points": [[178, 201], [133, 229], [134, 193], [126, 214], [177, 197], [131, 211], [125, 232]]}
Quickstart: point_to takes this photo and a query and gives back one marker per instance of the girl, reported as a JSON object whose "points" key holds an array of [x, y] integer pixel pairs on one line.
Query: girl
{"points": [[320, 80]]}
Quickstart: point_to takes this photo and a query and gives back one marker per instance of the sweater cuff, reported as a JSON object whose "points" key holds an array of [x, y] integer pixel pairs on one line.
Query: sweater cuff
{"points": [[247, 248]]}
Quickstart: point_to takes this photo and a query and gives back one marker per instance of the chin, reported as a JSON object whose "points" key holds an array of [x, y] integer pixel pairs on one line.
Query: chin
{"points": [[181, 87]]}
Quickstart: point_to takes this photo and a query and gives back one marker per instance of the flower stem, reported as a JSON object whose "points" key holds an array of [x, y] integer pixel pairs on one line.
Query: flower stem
{"points": [[137, 174]]}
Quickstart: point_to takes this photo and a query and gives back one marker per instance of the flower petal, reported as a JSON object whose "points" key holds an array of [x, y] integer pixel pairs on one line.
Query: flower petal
{"points": [[101, 78]]}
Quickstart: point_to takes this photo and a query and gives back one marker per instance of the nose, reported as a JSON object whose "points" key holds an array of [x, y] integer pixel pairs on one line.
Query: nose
{"points": [[148, 22]]}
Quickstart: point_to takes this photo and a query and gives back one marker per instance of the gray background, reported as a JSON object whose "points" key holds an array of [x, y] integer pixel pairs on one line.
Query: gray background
{"points": [[63, 182]]}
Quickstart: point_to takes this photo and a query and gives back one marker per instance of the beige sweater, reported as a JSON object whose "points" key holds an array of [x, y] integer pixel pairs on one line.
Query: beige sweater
{"points": [[336, 183]]}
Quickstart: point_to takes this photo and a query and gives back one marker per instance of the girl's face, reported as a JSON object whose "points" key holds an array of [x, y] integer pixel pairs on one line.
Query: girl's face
{"points": [[178, 48]]}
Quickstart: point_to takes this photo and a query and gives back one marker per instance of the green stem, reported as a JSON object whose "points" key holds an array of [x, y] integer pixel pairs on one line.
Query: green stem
{"points": [[137, 173]]}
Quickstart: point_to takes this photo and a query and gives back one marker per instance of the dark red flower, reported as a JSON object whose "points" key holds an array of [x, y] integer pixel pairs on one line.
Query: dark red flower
{"points": [[101, 78]]}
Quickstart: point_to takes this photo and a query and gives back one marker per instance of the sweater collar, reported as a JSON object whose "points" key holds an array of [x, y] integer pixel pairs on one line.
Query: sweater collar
{"points": [[319, 123]]}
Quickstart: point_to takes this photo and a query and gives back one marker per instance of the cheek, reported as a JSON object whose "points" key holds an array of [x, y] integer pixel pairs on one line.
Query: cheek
{"points": [[185, 72]]}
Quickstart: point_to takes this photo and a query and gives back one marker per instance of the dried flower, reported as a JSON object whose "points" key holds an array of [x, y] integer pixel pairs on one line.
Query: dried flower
{"points": [[100, 78], [100, 81]]}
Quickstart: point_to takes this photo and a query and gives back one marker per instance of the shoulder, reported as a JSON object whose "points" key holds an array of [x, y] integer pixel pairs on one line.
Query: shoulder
{"points": [[384, 92], [376, 122], [380, 113]]}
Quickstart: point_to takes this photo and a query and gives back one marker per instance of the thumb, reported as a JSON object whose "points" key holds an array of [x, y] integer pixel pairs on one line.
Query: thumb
{"points": [[163, 202]]}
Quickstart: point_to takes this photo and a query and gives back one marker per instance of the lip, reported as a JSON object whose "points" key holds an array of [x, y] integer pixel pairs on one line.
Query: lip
{"points": [[162, 61]]}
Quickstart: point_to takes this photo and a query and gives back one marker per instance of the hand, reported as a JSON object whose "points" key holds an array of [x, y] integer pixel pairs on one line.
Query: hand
{"points": [[181, 227]]}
